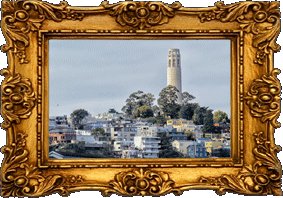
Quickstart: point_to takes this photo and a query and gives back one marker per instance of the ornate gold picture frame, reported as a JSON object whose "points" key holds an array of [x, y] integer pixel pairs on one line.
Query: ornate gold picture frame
{"points": [[252, 27]]}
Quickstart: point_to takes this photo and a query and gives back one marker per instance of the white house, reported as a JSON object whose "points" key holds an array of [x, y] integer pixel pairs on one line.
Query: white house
{"points": [[147, 142], [82, 132]]}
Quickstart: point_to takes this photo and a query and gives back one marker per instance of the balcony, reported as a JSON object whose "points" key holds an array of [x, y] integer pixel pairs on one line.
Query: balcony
{"points": [[152, 145], [151, 151], [151, 141]]}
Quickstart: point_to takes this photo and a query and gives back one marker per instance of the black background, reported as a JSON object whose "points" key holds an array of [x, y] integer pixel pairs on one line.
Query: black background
{"points": [[193, 4]]}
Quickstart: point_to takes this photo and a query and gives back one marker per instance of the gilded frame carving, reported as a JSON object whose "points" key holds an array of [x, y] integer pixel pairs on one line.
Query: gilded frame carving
{"points": [[252, 27]]}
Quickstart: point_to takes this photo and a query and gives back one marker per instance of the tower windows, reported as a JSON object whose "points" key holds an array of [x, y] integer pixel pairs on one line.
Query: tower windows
{"points": [[174, 73]]}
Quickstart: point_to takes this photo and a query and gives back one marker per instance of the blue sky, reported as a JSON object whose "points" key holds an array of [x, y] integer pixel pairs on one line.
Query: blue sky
{"points": [[97, 75]]}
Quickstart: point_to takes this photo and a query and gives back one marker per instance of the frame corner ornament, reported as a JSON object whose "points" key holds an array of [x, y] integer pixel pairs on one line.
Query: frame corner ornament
{"points": [[263, 98], [19, 178], [261, 178], [141, 14], [19, 18], [262, 19]]}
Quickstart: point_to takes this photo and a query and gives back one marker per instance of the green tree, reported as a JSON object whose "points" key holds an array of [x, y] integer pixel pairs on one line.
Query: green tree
{"points": [[218, 129], [186, 97], [80, 147], [226, 120], [142, 99], [98, 131], [208, 126], [166, 149], [136, 100], [112, 111], [144, 112], [148, 99], [187, 111], [199, 114], [159, 120], [76, 147], [220, 116], [52, 148], [151, 120], [167, 101], [78, 116], [190, 135], [108, 151], [129, 108], [137, 113]]}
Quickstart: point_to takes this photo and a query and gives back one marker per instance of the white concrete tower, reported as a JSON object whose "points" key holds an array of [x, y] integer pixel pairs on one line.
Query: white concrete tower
{"points": [[174, 75]]}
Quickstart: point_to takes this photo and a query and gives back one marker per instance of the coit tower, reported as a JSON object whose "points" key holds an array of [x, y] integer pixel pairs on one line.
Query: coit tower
{"points": [[174, 77]]}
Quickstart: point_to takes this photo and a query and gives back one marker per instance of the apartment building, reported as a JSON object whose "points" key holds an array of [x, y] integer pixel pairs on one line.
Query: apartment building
{"points": [[182, 124], [147, 141]]}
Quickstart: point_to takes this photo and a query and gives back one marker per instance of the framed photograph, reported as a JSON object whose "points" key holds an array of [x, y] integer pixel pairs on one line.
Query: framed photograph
{"points": [[140, 98]]}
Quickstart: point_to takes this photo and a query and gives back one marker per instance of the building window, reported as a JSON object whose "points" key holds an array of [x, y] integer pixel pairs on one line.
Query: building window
{"points": [[169, 63], [174, 62]]}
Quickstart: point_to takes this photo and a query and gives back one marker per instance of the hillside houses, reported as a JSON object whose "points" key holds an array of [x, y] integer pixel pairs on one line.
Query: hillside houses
{"points": [[136, 138]]}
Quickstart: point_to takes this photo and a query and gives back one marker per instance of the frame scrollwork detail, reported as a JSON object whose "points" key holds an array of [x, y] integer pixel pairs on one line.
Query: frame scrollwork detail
{"points": [[22, 179], [141, 14], [21, 17], [142, 182], [18, 98], [263, 13], [263, 99], [263, 177]]}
